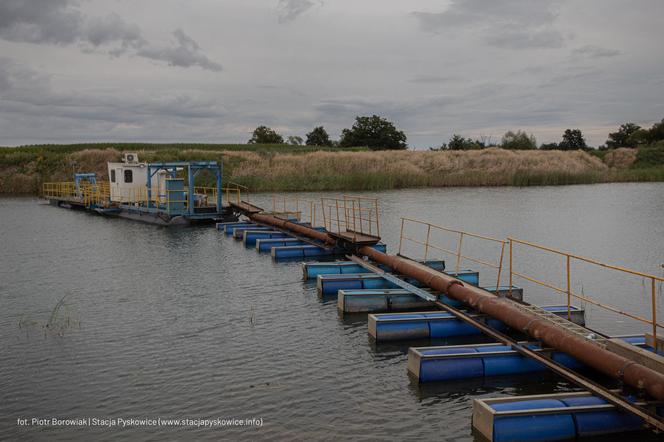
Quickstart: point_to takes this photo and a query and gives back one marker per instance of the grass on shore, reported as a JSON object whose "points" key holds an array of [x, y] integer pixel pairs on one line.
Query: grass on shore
{"points": [[301, 168]]}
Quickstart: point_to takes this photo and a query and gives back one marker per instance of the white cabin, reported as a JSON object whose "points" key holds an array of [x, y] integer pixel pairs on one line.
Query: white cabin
{"points": [[128, 181]]}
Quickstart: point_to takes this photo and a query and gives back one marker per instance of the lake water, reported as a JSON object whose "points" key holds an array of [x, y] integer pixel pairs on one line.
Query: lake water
{"points": [[187, 323]]}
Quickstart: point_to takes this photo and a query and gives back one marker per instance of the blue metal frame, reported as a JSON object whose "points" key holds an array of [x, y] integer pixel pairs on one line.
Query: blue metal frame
{"points": [[90, 177], [193, 167]]}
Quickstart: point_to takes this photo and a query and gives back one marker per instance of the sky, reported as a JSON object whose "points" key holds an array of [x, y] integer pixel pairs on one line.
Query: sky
{"points": [[213, 70]]}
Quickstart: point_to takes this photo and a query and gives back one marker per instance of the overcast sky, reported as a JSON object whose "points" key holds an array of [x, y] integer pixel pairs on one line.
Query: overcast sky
{"points": [[212, 70]]}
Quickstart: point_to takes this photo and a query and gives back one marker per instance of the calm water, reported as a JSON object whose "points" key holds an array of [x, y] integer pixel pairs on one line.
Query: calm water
{"points": [[187, 323]]}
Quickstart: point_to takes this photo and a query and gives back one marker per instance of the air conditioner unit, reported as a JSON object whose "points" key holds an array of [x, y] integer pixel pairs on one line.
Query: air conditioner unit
{"points": [[130, 157]]}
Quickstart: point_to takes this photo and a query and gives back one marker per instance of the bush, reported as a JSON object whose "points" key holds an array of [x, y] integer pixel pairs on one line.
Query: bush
{"points": [[519, 140]]}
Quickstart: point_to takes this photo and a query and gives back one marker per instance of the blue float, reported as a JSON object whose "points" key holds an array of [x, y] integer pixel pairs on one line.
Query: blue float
{"points": [[440, 324], [313, 269], [266, 245], [222, 226], [329, 284], [238, 232], [230, 228], [311, 251], [249, 237], [560, 416], [535, 427], [385, 300], [602, 422]]}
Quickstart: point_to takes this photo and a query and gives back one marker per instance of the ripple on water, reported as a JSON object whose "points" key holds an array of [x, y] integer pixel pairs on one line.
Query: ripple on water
{"points": [[189, 323]]}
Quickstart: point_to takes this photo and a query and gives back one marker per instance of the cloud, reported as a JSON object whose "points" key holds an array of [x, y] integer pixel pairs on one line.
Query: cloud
{"points": [[435, 79], [61, 22], [511, 24], [185, 53], [27, 92], [590, 51], [289, 10]]}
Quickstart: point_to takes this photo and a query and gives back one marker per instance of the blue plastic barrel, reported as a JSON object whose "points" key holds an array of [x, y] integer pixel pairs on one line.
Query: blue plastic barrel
{"points": [[450, 369], [533, 428], [513, 363], [596, 423]]}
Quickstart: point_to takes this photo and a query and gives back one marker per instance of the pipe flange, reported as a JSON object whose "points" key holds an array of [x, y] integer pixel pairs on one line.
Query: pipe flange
{"points": [[621, 372], [454, 282], [527, 326]]}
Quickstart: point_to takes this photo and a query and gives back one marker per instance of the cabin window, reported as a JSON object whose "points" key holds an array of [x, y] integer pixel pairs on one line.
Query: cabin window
{"points": [[128, 176], [112, 175]]}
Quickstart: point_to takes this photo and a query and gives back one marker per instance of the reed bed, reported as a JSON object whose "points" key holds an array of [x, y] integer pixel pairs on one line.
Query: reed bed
{"points": [[22, 172]]}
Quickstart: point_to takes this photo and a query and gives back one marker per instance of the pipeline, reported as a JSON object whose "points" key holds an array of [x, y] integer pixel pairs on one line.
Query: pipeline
{"points": [[293, 227], [607, 362]]}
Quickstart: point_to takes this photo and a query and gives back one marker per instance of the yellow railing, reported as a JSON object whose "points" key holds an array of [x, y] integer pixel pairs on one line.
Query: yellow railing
{"points": [[569, 258], [59, 190], [353, 214], [304, 210], [87, 193], [95, 195], [432, 233], [234, 192]]}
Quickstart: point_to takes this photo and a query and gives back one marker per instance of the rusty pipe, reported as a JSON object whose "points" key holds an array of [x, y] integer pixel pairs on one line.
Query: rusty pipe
{"points": [[293, 227], [605, 361]]}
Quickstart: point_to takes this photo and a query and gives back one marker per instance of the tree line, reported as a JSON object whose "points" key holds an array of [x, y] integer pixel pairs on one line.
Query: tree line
{"points": [[377, 133], [374, 132]]}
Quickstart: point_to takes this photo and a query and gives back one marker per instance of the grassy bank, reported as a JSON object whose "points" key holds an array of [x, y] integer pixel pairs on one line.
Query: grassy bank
{"points": [[290, 168]]}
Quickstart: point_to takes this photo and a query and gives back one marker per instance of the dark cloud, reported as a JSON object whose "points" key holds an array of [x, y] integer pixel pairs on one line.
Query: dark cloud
{"points": [[185, 53], [289, 10], [60, 22], [590, 51], [25, 91], [512, 24]]}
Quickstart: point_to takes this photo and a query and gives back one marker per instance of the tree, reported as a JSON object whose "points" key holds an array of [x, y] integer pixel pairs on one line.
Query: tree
{"points": [[656, 132], [295, 140], [375, 132], [549, 146], [318, 137], [623, 137], [265, 135], [572, 140], [457, 142], [518, 140]]}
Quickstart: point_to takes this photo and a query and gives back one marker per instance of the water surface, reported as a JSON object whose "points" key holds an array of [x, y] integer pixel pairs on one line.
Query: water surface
{"points": [[188, 323]]}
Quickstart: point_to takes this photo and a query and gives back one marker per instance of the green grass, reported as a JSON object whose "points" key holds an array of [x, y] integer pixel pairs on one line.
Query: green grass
{"points": [[648, 157]]}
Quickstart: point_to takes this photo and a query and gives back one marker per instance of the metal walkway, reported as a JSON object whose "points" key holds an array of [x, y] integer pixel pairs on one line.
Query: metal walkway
{"points": [[639, 409]]}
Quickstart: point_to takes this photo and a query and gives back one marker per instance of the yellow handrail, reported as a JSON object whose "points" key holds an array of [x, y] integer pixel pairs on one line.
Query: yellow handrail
{"points": [[568, 290], [355, 215], [428, 244], [303, 209]]}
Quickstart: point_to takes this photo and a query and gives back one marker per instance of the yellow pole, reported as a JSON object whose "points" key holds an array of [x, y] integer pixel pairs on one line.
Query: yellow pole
{"points": [[354, 211], [569, 290], [510, 288], [458, 263], [500, 266], [401, 236], [426, 243], [654, 312], [377, 219], [338, 219]]}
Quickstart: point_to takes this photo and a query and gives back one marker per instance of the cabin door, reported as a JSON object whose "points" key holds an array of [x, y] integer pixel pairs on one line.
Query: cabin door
{"points": [[116, 185]]}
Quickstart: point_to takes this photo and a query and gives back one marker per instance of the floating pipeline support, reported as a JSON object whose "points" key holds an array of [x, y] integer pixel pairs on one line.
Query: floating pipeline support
{"points": [[613, 365], [607, 362], [293, 227]]}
